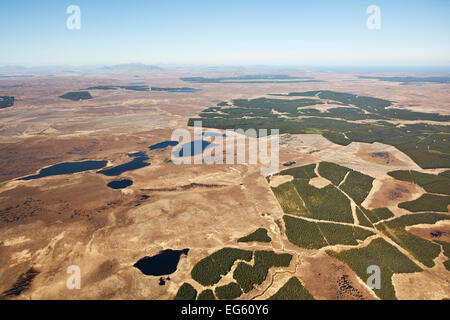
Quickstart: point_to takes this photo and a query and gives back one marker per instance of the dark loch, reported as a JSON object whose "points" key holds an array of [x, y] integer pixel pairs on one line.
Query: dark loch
{"points": [[192, 148], [185, 90], [290, 163], [384, 155], [163, 263], [67, 168], [380, 155], [163, 145], [12, 86], [120, 184], [138, 162], [213, 134], [137, 154]]}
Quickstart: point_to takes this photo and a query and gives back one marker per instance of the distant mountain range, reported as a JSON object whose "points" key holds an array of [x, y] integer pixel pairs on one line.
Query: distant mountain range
{"points": [[21, 71]]}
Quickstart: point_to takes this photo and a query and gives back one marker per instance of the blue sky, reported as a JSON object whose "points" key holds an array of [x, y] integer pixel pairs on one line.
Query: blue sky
{"points": [[228, 32]]}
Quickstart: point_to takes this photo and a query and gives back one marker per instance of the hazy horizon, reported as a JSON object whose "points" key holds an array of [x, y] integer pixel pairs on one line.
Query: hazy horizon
{"points": [[225, 67]]}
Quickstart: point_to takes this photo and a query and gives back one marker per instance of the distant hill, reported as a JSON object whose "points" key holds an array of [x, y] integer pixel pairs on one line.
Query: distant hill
{"points": [[21, 71]]}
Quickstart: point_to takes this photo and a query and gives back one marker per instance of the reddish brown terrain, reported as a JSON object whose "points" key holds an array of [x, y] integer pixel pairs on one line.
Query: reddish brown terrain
{"points": [[49, 224]]}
